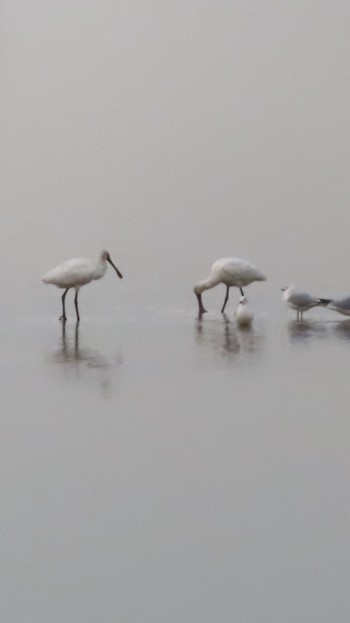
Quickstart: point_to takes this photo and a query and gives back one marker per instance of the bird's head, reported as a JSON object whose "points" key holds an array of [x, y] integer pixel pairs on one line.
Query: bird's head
{"points": [[105, 257]]}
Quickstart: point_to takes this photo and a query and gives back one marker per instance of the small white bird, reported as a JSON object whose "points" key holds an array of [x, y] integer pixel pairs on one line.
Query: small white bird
{"points": [[244, 315], [341, 305], [301, 301], [232, 272], [77, 273]]}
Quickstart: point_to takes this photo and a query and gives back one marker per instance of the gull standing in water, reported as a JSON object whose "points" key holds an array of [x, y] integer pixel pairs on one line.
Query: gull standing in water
{"points": [[232, 272], [77, 273], [341, 305], [244, 315], [301, 301]]}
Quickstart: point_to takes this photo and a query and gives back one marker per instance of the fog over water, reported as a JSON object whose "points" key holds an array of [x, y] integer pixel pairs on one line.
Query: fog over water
{"points": [[156, 466]]}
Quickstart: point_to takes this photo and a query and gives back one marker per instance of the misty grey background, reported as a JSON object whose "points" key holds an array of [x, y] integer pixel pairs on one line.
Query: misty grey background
{"points": [[156, 468]]}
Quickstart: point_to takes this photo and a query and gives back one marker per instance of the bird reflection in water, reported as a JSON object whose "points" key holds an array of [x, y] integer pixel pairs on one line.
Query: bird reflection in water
{"points": [[73, 356], [342, 330], [303, 330], [225, 337]]}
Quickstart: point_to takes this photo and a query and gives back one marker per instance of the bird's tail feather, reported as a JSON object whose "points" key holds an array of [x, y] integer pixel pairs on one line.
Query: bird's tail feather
{"points": [[325, 301]]}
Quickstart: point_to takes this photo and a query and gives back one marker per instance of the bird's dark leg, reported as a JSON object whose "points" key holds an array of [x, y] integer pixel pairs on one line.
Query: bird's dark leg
{"points": [[242, 292], [226, 299], [201, 307], [76, 304], [64, 317], [64, 342], [76, 341]]}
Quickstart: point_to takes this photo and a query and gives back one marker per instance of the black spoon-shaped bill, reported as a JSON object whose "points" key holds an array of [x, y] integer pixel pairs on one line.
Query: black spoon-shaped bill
{"points": [[115, 268]]}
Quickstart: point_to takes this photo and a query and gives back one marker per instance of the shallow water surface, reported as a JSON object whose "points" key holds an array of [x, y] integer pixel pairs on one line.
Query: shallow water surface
{"points": [[161, 467]]}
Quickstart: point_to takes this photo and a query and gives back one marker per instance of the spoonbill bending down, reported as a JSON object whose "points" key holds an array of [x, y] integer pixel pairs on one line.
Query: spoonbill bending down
{"points": [[244, 315], [232, 272], [301, 301], [77, 273]]}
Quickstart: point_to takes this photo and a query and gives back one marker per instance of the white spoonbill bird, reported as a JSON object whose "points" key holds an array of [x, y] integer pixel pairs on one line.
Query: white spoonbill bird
{"points": [[232, 272], [244, 315], [301, 301], [77, 273], [342, 306]]}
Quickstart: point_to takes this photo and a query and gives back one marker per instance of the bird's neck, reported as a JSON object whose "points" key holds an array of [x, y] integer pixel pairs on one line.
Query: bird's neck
{"points": [[206, 284], [101, 268]]}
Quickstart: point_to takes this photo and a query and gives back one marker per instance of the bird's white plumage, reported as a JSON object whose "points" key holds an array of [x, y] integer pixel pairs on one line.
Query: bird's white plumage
{"points": [[75, 273], [231, 271], [244, 314]]}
